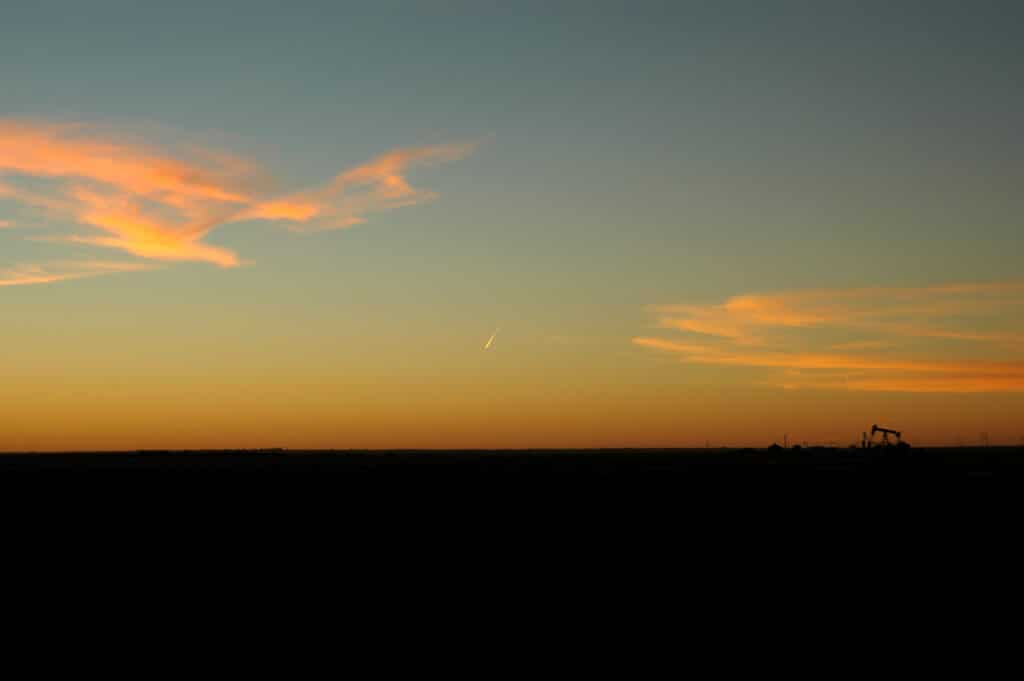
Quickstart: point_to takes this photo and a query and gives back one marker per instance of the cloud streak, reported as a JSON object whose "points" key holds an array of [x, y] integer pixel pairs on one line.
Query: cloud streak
{"points": [[374, 187], [950, 338], [159, 207], [26, 275]]}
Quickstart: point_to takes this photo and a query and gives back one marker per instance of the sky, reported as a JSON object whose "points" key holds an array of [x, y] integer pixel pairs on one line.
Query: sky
{"points": [[316, 224]]}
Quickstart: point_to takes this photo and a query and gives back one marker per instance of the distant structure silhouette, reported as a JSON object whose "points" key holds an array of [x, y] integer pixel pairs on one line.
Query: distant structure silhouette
{"points": [[885, 441]]}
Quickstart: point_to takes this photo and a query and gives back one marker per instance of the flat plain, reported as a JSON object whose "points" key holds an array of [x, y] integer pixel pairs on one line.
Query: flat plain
{"points": [[739, 462]]}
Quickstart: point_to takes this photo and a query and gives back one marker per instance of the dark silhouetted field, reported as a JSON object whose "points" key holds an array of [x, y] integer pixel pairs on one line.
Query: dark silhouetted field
{"points": [[757, 463]]}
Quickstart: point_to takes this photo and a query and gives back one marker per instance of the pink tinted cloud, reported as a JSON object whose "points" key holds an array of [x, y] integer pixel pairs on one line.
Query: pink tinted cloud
{"points": [[379, 185], [892, 336], [25, 275], [158, 207]]}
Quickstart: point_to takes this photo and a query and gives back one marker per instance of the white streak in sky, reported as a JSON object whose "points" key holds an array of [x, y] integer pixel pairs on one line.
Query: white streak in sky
{"points": [[487, 345]]}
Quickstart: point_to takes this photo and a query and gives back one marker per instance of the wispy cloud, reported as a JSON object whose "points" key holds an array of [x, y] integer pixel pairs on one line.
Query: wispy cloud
{"points": [[159, 207], [25, 275], [873, 339], [895, 311], [380, 185]]}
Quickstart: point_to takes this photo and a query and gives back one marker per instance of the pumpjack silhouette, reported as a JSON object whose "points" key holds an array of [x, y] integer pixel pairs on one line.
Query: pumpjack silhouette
{"points": [[884, 441]]}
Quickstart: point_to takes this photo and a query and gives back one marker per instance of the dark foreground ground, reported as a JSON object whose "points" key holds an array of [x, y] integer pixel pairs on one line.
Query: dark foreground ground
{"points": [[930, 462]]}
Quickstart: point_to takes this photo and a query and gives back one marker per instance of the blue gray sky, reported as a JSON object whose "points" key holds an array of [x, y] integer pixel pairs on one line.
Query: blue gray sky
{"points": [[625, 157]]}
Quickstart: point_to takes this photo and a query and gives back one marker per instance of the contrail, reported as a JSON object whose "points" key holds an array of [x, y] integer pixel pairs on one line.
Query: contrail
{"points": [[487, 345]]}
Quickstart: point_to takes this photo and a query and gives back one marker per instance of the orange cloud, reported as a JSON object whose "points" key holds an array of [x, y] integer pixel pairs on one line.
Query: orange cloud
{"points": [[796, 360], [158, 207], [283, 209], [43, 150], [144, 235], [376, 186], [24, 275], [796, 333], [861, 345], [893, 311], [6, 224]]}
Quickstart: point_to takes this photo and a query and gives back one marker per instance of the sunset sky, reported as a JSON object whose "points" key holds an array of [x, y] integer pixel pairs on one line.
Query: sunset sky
{"points": [[323, 224]]}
